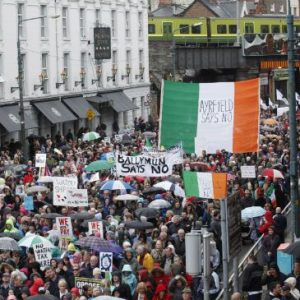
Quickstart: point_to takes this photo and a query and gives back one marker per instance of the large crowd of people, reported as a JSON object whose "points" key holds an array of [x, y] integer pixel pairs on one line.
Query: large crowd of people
{"points": [[150, 263]]}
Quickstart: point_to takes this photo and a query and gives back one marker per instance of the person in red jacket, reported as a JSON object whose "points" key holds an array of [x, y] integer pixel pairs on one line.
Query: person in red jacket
{"points": [[159, 275], [266, 222], [37, 283], [161, 293], [28, 177]]}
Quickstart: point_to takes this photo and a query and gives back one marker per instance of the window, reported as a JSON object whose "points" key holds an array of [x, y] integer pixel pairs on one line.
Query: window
{"points": [[44, 24], [196, 29], [134, 112], [151, 28], [97, 17], [44, 73], [82, 22], [140, 24], [184, 29], [142, 106], [249, 28], [127, 23], [1, 79], [128, 64], [114, 64], [167, 28], [113, 23], [221, 29], [66, 70], [264, 29], [284, 29], [20, 18], [232, 29], [125, 119], [83, 69], [65, 21], [275, 28], [141, 64]]}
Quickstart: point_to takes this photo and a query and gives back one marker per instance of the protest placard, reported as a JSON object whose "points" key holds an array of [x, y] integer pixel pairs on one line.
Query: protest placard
{"points": [[82, 281], [106, 139], [248, 172], [42, 255], [64, 226], [106, 261], [96, 227], [40, 160], [61, 188], [28, 203]]}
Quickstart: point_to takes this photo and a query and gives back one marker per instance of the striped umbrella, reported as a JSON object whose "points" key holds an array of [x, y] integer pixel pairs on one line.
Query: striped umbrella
{"points": [[90, 136], [115, 185]]}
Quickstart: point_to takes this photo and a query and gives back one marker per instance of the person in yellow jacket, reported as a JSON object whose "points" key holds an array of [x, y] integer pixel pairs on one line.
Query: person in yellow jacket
{"points": [[144, 258], [9, 226]]}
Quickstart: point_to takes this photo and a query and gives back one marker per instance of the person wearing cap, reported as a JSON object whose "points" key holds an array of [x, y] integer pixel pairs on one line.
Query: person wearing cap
{"points": [[176, 286], [187, 294], [75, 293]]}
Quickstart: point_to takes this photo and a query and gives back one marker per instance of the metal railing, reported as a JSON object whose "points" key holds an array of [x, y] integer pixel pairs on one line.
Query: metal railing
{"points": [[255, 249]]}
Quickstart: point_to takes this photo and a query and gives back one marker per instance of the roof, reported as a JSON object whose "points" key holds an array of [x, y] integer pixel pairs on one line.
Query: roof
{"points": [[168, 11]]}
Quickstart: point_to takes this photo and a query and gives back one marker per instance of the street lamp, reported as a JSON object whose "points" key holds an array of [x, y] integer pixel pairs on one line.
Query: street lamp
{"points": [[20, 79], [174, 44]]}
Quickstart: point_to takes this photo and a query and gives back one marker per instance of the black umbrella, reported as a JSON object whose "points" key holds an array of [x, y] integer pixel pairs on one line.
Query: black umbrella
{"points": [[82, 216], [149, 213], [51, 216], [293, 249], [42, 297], [136, 224], [13, 235], [154, 190]]}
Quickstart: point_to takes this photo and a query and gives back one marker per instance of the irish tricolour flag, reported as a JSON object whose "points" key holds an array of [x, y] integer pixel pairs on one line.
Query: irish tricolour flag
{"points": [[205, 185], [210, 116]]}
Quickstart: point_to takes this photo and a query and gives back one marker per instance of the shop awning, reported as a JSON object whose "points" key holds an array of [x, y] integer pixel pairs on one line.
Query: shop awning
{"points": [[119, 101], [10, 118], [96, 99], [80, 106], [55, 111]]}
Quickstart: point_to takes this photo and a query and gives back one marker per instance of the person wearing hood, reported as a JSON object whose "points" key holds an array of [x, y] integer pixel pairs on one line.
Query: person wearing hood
{"points": [[129, 278], [267, 221], [34, 289], [176, 286], [9, 226], [161, 292], [291, 282], [144, 258], [129, 259]]}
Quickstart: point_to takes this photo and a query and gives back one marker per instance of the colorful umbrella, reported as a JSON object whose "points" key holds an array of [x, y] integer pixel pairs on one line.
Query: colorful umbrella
{"points": [[92, 242], [273, 173], [170, 186], [108, 246], [8, 244], [115, 185], [29, 241], [90, 136], [99, 165]]}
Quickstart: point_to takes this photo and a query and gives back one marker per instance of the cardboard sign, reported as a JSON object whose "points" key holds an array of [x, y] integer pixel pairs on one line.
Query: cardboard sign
{"points": [[64, 226], [118, 137], [42, 255], [248, 172], [96, 228], [106, 261], [28, 202], [61, 185], [106, 139], [40, 160], [82, 281]]}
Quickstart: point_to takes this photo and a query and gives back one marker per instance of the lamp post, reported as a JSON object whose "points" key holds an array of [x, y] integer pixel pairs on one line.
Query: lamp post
{"points": [[292, 124], [174, 44], [20, 83]]}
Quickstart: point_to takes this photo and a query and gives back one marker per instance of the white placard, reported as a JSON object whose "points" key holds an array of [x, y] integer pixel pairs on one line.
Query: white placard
{"points": [[248, 172], [73, 198], [64, 226], [42, 254], [60, 187], [96, 227], [118, 137], [106, 261], [40, 160], [106, 139]]}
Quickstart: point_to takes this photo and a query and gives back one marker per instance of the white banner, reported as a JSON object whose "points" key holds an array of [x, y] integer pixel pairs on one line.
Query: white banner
{"points": [[248, 172], [60, 187], [42, 255], [146, 165], [96, 227], [64, 226], [40, 160], [74, 198], [106, 261]]}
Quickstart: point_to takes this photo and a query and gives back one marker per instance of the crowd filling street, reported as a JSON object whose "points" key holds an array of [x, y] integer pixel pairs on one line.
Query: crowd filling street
{"points": [[141, 221]]}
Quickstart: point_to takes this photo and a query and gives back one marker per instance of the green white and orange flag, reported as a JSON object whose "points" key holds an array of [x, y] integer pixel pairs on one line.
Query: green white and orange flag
{"points": [[210, 116], [205, 185]]}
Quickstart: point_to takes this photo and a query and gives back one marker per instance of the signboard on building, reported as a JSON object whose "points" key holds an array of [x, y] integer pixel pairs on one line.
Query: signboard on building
{"points": [[102, 43]]}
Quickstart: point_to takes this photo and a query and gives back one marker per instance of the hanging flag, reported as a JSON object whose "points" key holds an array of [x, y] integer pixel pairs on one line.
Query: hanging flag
{"points": [[210, 116], [271, 195], [205, 185]]}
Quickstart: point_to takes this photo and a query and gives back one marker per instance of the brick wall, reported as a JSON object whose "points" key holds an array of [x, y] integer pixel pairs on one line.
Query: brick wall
{"points": [[197, 10]]}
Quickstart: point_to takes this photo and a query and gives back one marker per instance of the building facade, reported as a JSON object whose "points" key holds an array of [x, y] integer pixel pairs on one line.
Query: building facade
{"points": [[61, 78]]}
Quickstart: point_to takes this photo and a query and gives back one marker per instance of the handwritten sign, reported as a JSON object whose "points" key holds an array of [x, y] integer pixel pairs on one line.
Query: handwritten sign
{"points": [[96, 227], [61, 185], [64, 226], [107, 140], [42, 255], [28, 202], [82, 281], [40, 160], [248, 172], [106, 261]]}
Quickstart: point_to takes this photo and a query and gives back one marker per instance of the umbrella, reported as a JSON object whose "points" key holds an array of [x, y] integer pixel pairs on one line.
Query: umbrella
{"points": [[170, 186], [136, 224], [51, 216], [154, 190], [107, 298], [45, 179], [108, 246], [42, 297], [9, 244], [149, 134], [90, 136], [159, 204], [127, 197], [36, 189], [273, 173], [293, 249], [14, 235], [99, 165], [270, 122], [149, 213], [29, 241], [92, 242], [82, 216], [115, 185], [252, 212]]}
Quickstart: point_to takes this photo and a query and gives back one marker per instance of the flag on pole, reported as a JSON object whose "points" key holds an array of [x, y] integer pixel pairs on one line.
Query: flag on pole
{"points": [[210, 116], [205, 185]]}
